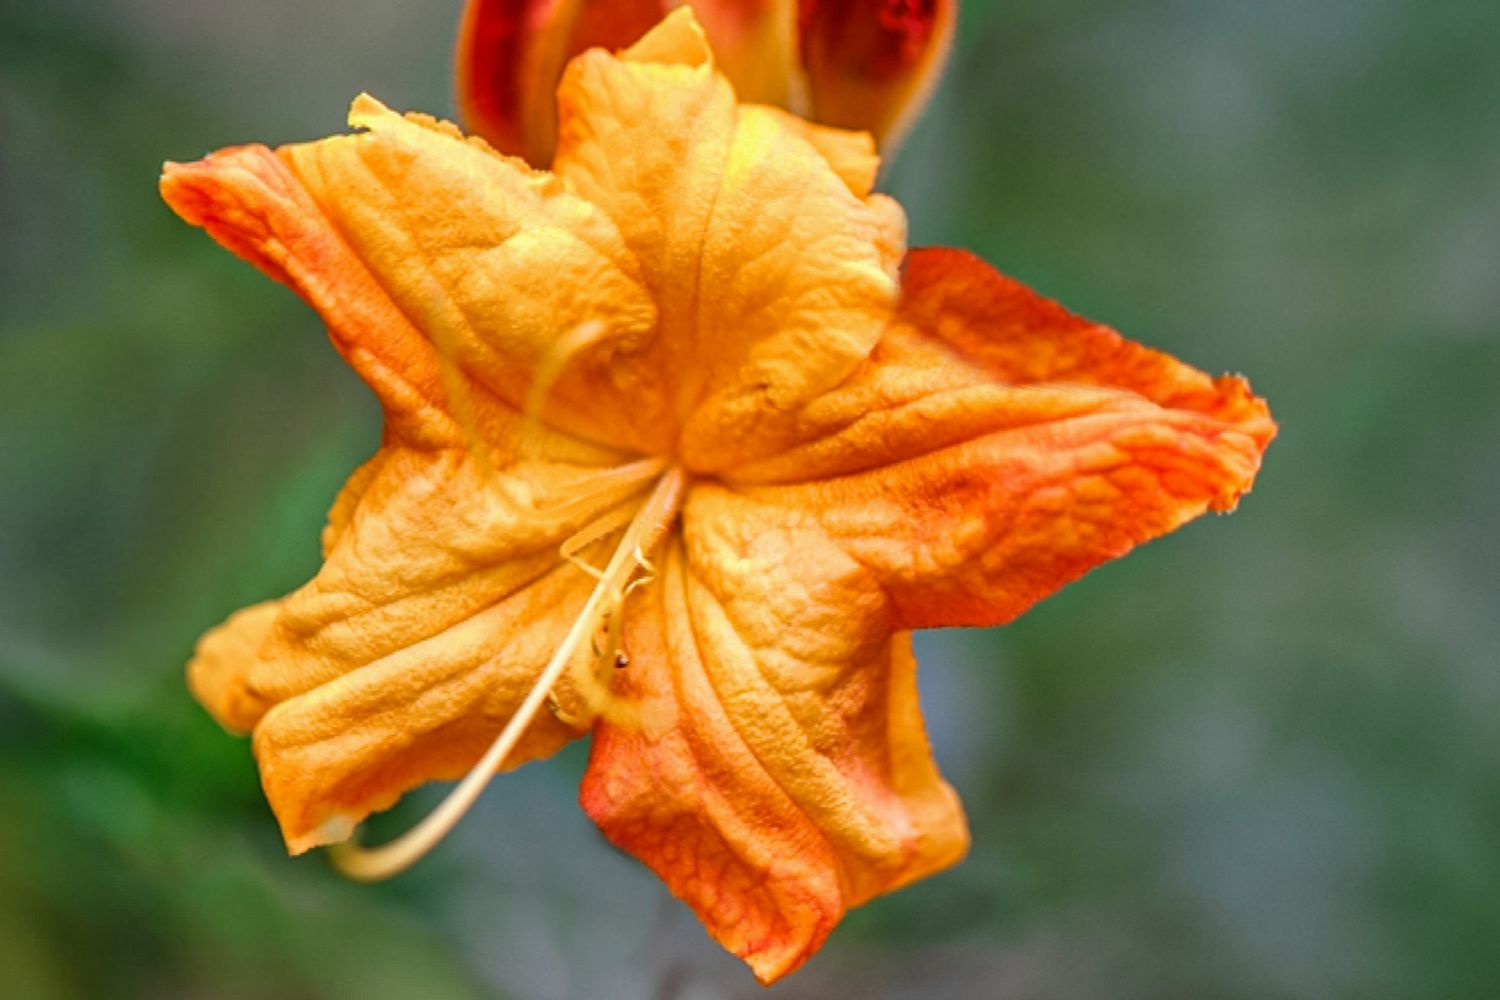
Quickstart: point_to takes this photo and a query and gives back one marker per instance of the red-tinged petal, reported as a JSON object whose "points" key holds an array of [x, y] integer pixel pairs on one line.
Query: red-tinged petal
{"points": [[997, 447], [512, 52], [455, 269], [1023, 338], [441, 598], [771, 763], [873, 64], [247, 199]]}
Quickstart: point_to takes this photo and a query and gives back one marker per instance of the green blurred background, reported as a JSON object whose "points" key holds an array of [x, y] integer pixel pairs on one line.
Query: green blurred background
{"points": [[1257, 759]]}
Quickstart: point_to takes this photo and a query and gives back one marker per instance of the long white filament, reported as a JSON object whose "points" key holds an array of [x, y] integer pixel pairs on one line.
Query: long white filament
{"points": [[645, 531]]}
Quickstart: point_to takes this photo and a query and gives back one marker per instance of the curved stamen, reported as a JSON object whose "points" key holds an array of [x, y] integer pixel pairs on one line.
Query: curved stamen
{"points": [[591, 685], [548, 370], [605, 487], [646, 530]]}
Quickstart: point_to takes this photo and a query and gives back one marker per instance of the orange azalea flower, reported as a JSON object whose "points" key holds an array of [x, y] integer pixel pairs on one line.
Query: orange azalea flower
{"points": [[860, 64], [676, 407]]}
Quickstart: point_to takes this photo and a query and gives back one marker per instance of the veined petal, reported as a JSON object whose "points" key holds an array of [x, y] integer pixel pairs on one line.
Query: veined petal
{"points": [[441, 597], [511, 54], [772, 278], [774, 769], [873, 64], [1020, 337], [997, 447], [248, 200], [426, 712], [851, 154], [417, 244]]}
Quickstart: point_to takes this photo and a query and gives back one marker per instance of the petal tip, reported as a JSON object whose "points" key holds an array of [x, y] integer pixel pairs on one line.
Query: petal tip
{"points": [[218, 675], [365, 111], [678, 39], [335, 829]]}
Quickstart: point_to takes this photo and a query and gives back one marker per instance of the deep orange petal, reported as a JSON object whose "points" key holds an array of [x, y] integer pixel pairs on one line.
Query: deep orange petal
{"points": [[1022, 338], [772, 768], [873, 64], [997, 447]]}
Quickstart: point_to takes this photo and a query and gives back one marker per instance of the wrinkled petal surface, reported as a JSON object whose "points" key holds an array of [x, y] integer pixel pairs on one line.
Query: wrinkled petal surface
{"points": [[996, 447], [774, 770], [440, 600], [771, 277]]}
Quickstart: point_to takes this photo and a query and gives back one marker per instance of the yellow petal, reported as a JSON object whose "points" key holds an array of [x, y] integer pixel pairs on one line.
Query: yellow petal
{"points": [[424, 712], [496, 264], [851, 154], [441, 598], [772, 278]]}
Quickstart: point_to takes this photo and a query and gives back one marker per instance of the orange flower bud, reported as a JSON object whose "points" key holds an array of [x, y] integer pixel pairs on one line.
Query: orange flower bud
{"points": [[872, 64], [859, 64], [511, 54]]}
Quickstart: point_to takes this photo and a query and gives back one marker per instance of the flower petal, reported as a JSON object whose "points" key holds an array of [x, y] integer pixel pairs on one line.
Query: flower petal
{"points": [[431, 250], [873, 64], [441, 598], [773, 769], [997, 447], [1021, 337], [772, 277], [248, 200], [426, 712], [511, 54], [851, 154]]}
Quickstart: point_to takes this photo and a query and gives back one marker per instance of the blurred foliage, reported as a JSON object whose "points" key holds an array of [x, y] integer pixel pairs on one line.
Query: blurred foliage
{"points": [[1258, 759]]}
